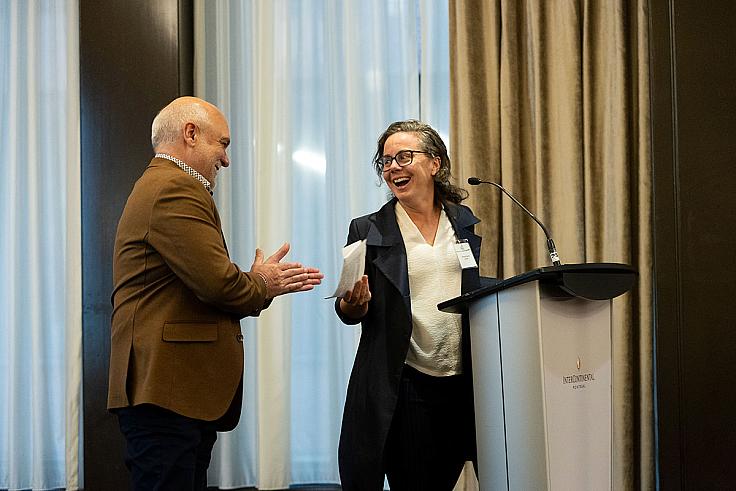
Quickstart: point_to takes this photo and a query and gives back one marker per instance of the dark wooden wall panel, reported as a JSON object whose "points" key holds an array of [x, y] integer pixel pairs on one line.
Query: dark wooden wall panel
{"points": [[694, 149], [134, 58]]}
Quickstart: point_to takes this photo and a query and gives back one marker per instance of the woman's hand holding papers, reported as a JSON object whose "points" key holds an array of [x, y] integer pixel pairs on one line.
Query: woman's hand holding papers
{"points": [[354, 303]]}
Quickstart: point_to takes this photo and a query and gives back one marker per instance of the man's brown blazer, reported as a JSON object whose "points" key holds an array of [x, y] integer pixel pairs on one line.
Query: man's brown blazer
{"points": [[177, 301]]}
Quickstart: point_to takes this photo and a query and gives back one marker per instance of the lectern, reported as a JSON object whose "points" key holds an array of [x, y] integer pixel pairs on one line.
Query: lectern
{"points": [[541, 351]]}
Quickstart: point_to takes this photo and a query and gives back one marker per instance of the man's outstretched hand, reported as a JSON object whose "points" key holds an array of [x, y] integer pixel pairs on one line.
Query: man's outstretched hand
{"points": [[284, 278]]}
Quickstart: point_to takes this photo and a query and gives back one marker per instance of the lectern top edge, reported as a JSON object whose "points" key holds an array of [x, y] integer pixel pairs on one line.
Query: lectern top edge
{"points": [[594, 281]]}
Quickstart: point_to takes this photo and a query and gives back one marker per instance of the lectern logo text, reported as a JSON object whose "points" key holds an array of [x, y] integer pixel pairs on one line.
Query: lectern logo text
{"points": [[578, 379]]}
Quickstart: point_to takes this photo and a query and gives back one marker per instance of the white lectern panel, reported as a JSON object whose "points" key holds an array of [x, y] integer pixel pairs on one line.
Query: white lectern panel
{"points": [[576, 350], [542, 423], [490, 428]]}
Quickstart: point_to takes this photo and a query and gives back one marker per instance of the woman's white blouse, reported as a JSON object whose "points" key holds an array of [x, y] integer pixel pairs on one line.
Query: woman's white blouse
{"points": [[434, 276]]}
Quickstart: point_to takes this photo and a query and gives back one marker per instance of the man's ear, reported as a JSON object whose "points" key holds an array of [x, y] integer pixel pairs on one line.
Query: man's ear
{"points": [[191, 132]]}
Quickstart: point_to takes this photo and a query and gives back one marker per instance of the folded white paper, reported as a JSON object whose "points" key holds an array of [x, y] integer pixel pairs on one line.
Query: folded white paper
{"points": [[353, 266]]}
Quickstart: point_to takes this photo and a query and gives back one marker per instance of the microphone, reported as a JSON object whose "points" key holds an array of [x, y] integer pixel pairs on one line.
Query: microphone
{"points": [[474, 181]]}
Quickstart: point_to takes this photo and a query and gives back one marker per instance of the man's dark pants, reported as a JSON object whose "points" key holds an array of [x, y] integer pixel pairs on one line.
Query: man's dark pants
{"points": [[165, 450]]}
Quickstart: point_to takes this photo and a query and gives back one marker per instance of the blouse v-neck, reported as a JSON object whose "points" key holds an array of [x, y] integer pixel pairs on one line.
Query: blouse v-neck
{"points": [[408, 227]]}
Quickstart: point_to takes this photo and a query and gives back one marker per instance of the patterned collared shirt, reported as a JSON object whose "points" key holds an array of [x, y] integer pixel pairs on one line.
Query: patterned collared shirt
{"points": [[188, 170]]}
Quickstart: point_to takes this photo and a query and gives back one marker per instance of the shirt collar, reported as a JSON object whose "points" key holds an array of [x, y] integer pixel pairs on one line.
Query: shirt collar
{"points": [[186, 168]]}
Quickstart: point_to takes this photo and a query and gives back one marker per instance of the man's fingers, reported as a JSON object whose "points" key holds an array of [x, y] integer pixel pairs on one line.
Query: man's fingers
{"points": [[301, 274], [296, 286], [314, 274], [288, 277], [290, 269], [259, 257], [279, 255], [311, 276]]}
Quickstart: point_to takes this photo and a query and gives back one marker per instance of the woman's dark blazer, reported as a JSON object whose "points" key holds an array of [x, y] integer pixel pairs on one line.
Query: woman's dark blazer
{"points": [[386, 330]]}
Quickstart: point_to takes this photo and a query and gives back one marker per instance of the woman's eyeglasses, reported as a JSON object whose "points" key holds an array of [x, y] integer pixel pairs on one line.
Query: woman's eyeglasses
{"points": [[403, 158]]}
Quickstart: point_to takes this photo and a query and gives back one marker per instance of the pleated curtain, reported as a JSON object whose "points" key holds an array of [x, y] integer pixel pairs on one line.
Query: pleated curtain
{"points": [[551, 100], [40, 246]]}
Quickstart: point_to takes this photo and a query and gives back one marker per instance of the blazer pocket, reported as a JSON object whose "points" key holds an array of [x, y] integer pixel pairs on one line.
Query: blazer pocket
{"points": [[190, 331]]}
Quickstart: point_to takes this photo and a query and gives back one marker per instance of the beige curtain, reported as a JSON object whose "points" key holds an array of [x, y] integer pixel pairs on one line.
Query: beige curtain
{"points": [[550, 98]]}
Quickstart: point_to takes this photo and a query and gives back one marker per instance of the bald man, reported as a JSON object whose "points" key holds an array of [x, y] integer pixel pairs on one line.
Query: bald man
{"points": [[176, 356]]}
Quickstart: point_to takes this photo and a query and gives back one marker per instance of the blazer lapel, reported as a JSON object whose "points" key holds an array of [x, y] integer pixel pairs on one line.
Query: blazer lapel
{"points": [[384, 234], [218, 222], [463, 221]]}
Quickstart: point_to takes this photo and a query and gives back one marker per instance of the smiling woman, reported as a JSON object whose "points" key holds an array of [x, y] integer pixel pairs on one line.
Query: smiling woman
{"points": [[409, 410], [306, 87], [400, 143], [412, 183]]}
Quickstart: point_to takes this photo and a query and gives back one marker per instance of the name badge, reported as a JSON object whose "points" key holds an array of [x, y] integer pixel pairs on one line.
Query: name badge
{"points": [[465, 255]]}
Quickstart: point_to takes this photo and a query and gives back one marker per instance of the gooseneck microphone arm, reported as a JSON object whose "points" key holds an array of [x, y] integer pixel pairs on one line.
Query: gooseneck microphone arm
{"points": [[474, 181]]}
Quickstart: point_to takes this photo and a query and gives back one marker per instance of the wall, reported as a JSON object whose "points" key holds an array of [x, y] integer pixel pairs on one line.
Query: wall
{"points": [[693, 49], [134, 58]]}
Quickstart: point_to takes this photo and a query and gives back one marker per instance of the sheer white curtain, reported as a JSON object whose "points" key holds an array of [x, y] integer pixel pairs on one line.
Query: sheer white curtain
{"points": [[40, 254], [308, 86]]}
